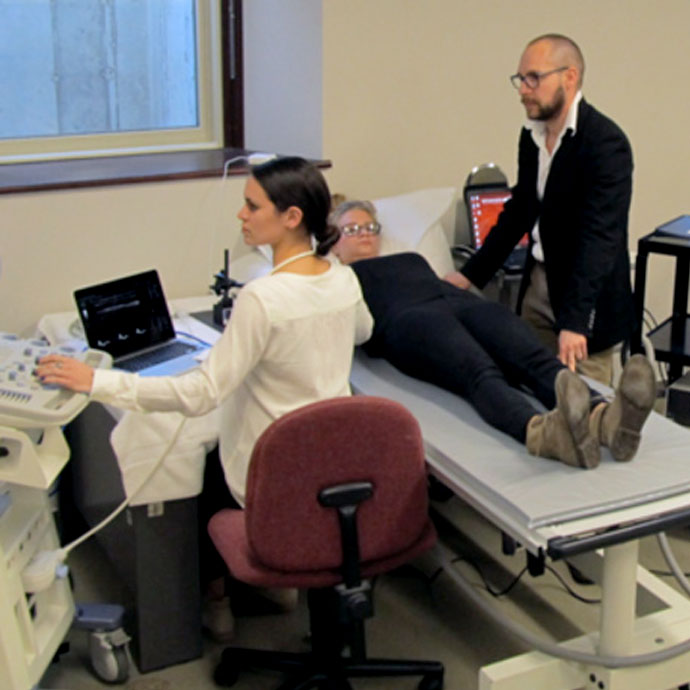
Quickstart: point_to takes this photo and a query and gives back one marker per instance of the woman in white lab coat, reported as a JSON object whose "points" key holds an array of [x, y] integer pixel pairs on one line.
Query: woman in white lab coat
{"points": [[289, 340]]}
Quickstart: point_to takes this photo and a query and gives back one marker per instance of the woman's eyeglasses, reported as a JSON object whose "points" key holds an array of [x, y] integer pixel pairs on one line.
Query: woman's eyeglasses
{"points": [[353, 229]]}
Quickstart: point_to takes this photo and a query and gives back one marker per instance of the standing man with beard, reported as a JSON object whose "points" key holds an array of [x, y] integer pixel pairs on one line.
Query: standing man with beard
{"points": [[572, 197]]}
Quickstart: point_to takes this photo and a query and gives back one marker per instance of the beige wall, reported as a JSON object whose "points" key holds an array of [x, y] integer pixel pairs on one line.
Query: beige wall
{"points": [[414, 94], [51, 243]]}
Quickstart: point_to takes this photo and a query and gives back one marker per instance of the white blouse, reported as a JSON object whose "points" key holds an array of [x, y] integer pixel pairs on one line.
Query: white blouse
{"points": [[289, 342]]}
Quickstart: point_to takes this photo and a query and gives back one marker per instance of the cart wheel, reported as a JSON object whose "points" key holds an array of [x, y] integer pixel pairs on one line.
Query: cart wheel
{"points": [[110, 663]]}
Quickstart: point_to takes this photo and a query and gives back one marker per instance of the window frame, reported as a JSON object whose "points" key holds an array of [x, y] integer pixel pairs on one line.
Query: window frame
{"points": [[219, 57]]}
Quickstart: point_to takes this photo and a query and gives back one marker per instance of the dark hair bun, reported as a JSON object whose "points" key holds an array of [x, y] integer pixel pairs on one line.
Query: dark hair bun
{"points": [[326, 239]]}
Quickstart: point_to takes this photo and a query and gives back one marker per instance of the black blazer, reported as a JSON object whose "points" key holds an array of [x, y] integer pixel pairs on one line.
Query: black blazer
{"points": [[583, 225]]}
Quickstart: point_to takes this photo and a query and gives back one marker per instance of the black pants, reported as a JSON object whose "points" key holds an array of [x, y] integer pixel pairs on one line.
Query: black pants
{"points": [[214, 496], [478, 349]]}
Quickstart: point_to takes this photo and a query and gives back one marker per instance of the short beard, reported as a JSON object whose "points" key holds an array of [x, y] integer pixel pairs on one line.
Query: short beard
{"points": [[550, 110]]}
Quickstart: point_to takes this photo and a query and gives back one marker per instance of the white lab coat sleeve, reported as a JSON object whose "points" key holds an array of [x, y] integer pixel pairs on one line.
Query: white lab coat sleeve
{"points": [[201, 390], [364, 322]]}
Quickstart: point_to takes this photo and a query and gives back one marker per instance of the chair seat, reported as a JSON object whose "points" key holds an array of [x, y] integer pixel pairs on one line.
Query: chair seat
{"points": [[227, 529]]}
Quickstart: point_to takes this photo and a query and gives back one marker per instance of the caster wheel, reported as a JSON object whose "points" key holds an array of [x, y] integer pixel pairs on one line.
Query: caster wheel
{"points": [[431, 683], [109, 663]]}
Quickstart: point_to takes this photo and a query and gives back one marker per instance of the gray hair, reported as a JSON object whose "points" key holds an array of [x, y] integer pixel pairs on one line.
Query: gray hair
{"points": [[356, 204]]}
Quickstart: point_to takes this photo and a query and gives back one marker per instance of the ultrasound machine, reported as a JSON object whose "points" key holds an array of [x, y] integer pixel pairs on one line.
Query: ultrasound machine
{"points": [[36, 607]]}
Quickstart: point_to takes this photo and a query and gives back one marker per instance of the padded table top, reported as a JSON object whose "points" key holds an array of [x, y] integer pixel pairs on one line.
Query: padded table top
{"points": [[498, 474]]}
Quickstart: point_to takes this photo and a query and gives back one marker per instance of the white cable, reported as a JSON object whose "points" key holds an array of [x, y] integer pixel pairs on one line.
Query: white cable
{"points": [[45, 566], [108, 519], [552, 648], [251, 158], [229, 162]]}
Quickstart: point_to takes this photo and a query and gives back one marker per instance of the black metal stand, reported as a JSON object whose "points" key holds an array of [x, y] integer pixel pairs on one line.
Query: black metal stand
{"points": [[671, 339]]}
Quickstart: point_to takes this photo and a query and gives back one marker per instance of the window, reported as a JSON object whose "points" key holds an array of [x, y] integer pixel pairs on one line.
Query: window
{"points": [[96, 77]]}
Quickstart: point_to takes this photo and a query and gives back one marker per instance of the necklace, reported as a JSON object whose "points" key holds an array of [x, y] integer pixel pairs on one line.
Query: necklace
{"points": [[290, 259]]}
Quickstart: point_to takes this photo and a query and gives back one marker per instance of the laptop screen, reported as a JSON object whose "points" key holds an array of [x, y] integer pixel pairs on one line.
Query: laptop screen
{"points": [[126, 315], [484, 207]]}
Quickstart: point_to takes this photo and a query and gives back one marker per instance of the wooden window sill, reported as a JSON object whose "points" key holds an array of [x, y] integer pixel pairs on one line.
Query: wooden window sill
{"points": [[17, 178]]}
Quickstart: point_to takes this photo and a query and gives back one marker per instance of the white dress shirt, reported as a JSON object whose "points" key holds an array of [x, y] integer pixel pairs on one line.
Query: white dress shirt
{"points": [[538, 131]]}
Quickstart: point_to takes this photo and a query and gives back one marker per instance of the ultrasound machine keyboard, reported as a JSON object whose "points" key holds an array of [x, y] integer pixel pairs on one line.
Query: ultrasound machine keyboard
{"points": [[25, 401]]}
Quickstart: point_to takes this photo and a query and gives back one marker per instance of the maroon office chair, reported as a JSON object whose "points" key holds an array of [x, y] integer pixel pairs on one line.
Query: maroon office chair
{"points": [[336, 494]]}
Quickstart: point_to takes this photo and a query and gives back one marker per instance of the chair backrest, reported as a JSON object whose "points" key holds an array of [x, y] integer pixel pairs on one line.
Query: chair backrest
{"points": [[327, 443]]}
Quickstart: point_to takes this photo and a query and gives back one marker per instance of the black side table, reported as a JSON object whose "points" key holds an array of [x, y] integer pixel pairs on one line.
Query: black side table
{"points": [[671, 339]]}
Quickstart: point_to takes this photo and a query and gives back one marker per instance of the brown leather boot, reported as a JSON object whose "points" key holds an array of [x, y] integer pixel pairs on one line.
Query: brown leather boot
{"points": [[564, 434], [618, 424]]}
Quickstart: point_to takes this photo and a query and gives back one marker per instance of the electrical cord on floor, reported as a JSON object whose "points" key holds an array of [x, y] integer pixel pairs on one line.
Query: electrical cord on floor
{"points": [[569, 589], [500, 593], [487, 586], [553, 648]]}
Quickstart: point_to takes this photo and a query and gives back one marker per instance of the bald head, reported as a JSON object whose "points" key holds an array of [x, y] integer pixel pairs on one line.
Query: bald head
{"points": [[562, 51]]}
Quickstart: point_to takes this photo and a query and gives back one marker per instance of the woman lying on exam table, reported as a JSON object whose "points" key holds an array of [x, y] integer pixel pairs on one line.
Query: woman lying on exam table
{"points": [[431, 330], [289, 341]]}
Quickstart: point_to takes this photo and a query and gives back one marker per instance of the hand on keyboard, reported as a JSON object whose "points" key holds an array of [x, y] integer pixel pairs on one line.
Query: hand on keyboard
{"points": [[18, 360], [28, 400], [66, 372]]}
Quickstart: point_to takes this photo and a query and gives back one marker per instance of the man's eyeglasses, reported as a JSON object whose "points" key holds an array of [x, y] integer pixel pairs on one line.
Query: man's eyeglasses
{"points": [[352, 229], [532, 79]]}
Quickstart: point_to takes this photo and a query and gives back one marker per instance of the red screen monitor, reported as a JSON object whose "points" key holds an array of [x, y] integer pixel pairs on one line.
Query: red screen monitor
{"points": [[484, 206]]}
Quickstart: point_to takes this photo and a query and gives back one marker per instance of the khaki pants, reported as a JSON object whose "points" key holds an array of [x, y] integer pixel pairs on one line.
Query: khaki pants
{"points": [[536, 310]]}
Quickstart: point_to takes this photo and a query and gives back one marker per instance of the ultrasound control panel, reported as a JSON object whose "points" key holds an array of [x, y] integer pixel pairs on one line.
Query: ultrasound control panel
{"points": [[26, 402]]}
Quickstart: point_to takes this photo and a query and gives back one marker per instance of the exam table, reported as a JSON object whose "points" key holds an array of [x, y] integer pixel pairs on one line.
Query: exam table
{"points": [[555, 512]]}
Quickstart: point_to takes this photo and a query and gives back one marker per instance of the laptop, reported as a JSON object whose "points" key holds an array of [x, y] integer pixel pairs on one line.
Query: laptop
{"points": [[678, 227], [484, 204], [129, 319]]}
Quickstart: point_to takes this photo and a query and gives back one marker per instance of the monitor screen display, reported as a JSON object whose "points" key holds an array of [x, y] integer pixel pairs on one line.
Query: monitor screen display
{"points": [[484, 206], [126, 315]]}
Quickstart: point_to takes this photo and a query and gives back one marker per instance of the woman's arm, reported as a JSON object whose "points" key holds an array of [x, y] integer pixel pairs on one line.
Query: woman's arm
{"points": [[364, 322], [199, 391]]}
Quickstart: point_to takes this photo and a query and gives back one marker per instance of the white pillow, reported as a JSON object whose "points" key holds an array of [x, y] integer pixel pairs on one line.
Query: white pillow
{"points": [[421, 221]]}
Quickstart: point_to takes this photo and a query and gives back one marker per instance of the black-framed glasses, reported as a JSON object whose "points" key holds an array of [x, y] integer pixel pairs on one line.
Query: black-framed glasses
{"points": [[532, 79], [352, 229]]}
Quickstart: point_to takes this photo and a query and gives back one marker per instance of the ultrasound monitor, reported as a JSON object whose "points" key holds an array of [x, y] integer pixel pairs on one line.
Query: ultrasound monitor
{"points": [[484, 206]]}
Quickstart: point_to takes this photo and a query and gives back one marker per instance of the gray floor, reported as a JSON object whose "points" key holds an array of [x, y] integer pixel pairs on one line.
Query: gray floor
{"points": [[419, 613]]}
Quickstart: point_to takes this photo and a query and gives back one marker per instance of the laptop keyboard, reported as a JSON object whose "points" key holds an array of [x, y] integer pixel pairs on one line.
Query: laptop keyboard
{"points": [[161, 354]]}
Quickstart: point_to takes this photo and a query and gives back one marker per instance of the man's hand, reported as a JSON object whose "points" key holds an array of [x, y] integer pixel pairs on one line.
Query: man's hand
{"points": [[458, 279], [572, 347]]}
